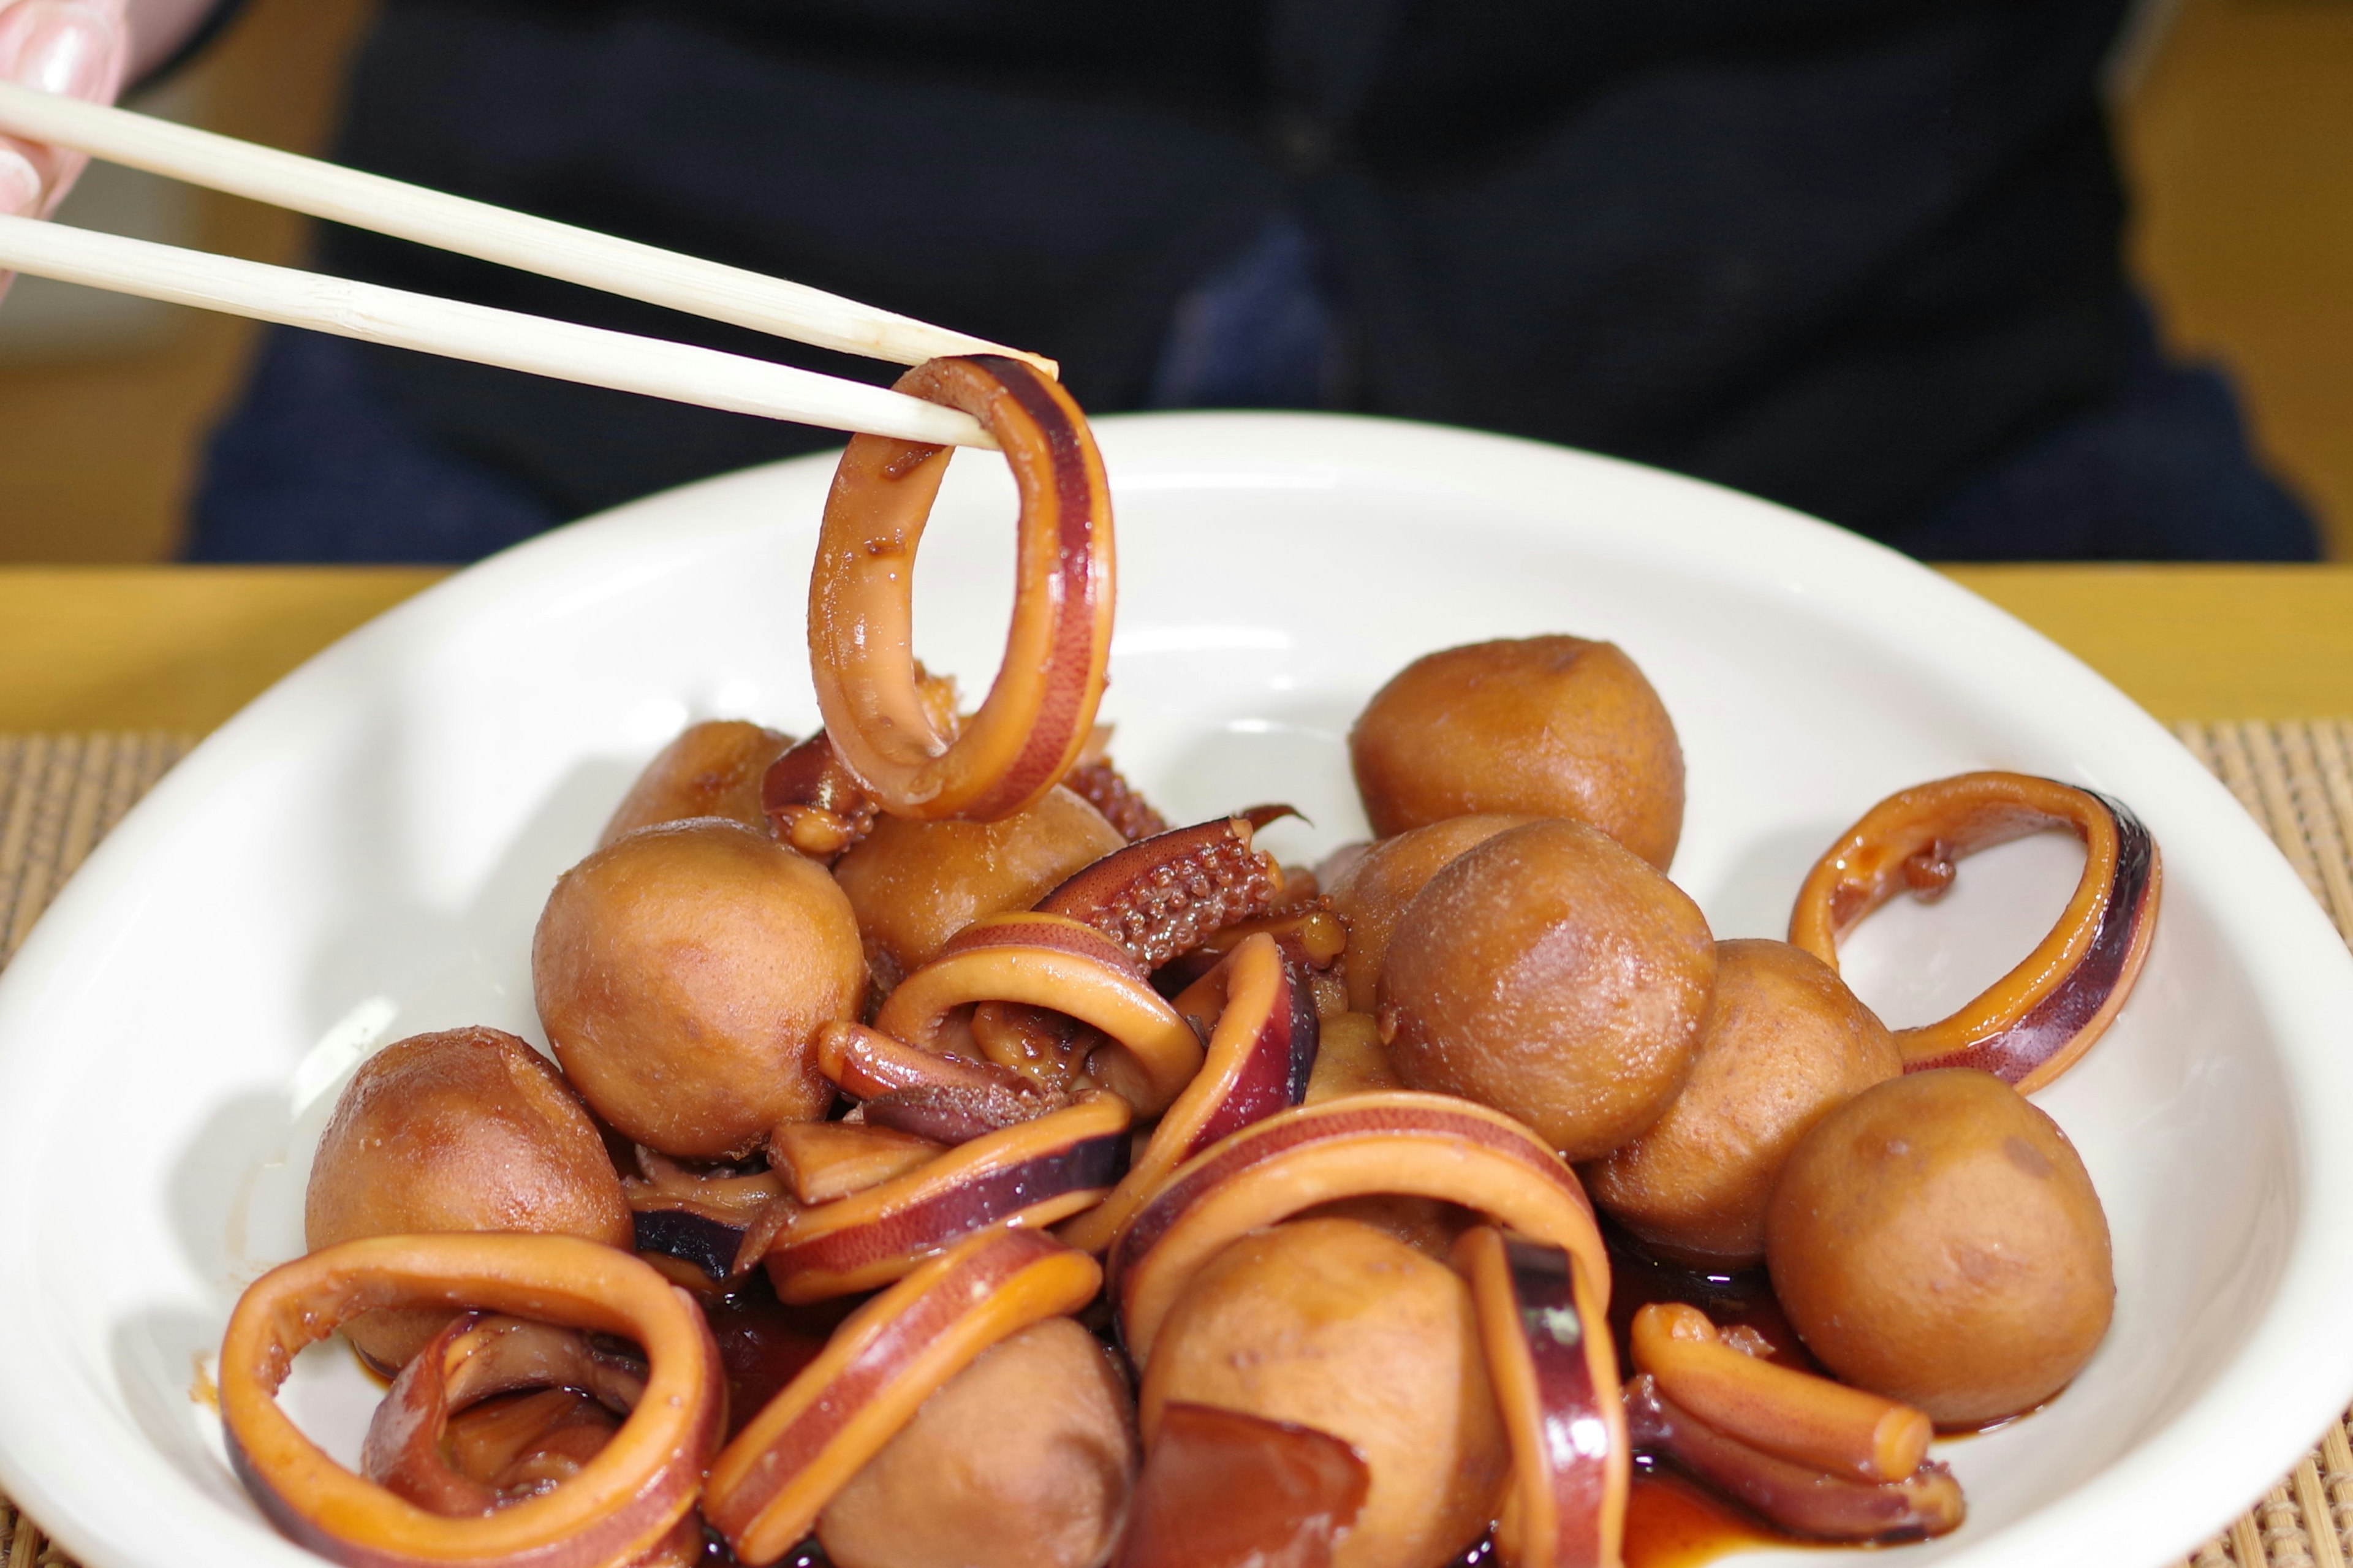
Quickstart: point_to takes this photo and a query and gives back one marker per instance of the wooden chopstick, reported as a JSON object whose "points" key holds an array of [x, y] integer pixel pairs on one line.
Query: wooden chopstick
{"points": [[680, 372], [601, 261]]}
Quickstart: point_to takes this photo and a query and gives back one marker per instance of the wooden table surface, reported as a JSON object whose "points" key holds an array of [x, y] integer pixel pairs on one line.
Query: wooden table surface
{"points": [[183, 648]]}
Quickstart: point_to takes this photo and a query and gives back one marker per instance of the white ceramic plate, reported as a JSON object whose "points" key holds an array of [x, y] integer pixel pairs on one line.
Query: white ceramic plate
{"points": [[361, 855]]}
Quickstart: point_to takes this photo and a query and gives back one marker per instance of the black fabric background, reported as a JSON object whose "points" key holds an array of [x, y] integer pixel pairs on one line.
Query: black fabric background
{"points": [[1847, 254]]}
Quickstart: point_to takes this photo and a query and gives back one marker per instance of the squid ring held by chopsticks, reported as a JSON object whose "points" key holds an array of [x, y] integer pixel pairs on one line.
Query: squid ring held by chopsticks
{"points": [[1041, 707], [2031, 1025], [1034, 1172], [1262, 1049], [1052, 961], [767, 1487], [1555, 1370], [1411, 1145], [623, 1502]]}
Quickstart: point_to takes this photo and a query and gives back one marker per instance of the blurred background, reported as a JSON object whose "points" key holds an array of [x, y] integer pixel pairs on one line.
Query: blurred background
{"points": [[2235, 118]]}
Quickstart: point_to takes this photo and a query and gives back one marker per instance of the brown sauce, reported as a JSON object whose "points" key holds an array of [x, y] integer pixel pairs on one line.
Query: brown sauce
{"points": [[1671, 1523], [1744, 1298], [1954, 1434], [764, 1344]]}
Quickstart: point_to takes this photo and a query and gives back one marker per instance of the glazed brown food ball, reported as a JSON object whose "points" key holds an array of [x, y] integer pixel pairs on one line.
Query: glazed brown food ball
{"points": [[1374, 890], [1936, 1239], [681, 971], [1332, 1324], [1024, 1459], [1552, 975], [1785, 1043], [1551, 726], [714, 769], [465, 1129], [915, 884]]}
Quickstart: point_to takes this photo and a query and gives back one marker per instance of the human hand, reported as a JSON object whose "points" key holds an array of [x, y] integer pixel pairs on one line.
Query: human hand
{"points": [[73, 47], [76, 49]]}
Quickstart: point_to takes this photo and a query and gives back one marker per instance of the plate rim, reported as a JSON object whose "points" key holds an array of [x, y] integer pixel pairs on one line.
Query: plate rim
{"points": [[2304, 971]]}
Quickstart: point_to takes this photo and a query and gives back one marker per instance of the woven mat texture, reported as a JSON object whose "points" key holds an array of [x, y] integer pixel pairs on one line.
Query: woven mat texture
{"points": [[59, 793]]}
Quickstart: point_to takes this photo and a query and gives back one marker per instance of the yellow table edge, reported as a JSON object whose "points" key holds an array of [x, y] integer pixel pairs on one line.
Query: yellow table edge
{"points": [[183, 648]]}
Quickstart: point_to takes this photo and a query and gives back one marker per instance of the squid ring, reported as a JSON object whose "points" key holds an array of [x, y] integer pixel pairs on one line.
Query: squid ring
{"points": [[1032, 1173], [478, 1355], [1554, 1369], [768, 1486], [1050, 960], [1415, 1146], [1162, 896], [2031, 1025], [1262, 1049], [622, 1502], [1041, 707]]}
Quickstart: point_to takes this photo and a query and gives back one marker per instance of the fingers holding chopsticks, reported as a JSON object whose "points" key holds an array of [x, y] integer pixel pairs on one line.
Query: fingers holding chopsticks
{"points": [[74, 49]]}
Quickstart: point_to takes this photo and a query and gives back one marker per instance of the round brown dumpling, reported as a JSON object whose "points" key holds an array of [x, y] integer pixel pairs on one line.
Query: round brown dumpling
{"points": [[1024, 1459], [1374, 890], [1552, 975], [915, 884], [1785, 1043], [465, 1129], [714, 769], [681, 971], [1548, 726], [1937, 1239], [1330, 1323]]}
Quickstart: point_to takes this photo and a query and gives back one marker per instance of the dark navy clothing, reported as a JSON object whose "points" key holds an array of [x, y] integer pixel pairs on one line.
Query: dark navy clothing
{"points": [[1858, 255]]}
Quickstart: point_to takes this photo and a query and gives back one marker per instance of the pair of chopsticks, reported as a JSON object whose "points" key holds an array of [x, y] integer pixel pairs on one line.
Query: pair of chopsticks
{"points": [[625, 361]]}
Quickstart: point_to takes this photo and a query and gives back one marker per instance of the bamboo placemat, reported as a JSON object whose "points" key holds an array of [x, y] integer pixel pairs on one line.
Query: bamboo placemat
{"points": [[59, 793]]}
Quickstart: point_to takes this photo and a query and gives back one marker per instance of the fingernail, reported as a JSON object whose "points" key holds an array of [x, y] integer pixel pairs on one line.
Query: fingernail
{"points": [[66, 50], [20, 182]]}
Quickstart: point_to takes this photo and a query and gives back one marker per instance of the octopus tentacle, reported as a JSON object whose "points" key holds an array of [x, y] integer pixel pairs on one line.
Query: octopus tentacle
{"points": [[1166, 894], [1103, 786], [868, 1063], [1312, 938], [1806, 1419], [818, 804], [1798, 1499]]}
